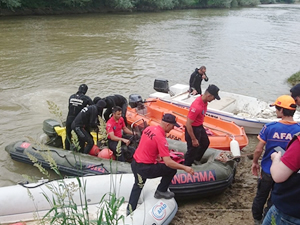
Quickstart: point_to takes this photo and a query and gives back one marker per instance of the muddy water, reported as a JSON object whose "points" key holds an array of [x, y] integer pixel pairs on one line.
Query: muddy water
{"points": [[249, 51]]}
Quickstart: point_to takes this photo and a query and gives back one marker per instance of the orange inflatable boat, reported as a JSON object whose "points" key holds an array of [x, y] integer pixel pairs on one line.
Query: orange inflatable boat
{"points": [[220, 132]]}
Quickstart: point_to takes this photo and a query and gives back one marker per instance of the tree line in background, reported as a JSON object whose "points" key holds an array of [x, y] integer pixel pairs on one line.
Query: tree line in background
{"points": [[131, 5]]}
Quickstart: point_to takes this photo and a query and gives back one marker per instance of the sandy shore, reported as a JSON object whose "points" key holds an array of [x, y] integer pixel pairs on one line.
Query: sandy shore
{"points": [[231, 207]]}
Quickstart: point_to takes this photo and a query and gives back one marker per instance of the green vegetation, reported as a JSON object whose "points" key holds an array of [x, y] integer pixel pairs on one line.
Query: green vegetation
{"points": [[64, 209], [294, 79], [278, 1], [126, 5]]}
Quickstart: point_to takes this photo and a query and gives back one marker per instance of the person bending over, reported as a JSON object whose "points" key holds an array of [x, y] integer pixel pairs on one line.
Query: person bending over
{"points": [[112, 101], [84, 122], [152, 148]]}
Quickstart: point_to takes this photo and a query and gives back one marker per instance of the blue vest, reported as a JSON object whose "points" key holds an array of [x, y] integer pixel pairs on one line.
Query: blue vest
{"points": [[276, 134]]}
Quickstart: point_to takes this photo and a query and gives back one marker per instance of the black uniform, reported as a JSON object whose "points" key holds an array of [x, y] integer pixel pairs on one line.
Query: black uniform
{"points": [[195, 81], [115, 100], [84, 122], [76, 103]]}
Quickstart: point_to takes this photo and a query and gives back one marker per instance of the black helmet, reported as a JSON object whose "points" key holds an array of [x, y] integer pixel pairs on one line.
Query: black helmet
{"points": [[83, 88], [101, 104], [96, 99]]}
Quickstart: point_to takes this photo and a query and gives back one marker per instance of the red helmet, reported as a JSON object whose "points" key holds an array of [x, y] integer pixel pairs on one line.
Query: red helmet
{"points": [[94, 151], [106, 154]]}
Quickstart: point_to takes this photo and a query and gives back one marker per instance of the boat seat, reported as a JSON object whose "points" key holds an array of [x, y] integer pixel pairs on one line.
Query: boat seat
{"points": [[155, 113], [222, 103], [160, 95], [178, 89]]}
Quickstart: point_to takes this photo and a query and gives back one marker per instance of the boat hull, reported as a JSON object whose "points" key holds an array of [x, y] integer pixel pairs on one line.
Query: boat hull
{"points": [[211, 177], [17, 205], [248, 112], [220, 132]]}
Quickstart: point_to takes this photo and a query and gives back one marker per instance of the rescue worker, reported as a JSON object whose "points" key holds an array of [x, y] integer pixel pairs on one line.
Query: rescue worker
{"points": [[114, 127], [76, 103], [85, 121], [112, 101], [196, 79], [195, 134], [145, 164]]}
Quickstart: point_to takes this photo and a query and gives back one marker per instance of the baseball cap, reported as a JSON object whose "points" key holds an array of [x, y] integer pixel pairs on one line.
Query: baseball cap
{"points": [[214, 90], [285, 101], [295, 91], [169, 118]]}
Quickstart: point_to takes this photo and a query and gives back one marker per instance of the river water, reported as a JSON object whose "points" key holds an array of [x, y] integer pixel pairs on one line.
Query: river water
{"points": [[250, 51]]}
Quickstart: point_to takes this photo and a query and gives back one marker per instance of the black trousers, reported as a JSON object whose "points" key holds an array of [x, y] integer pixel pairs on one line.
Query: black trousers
{"points": [[143, 171], [69, 121], [84, 137], [264, 188], [112, 145], [196, 153]]}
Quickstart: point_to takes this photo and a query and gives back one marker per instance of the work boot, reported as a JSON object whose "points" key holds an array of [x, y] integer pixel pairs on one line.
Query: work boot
{"points": [[258, 222], [127, 212], [166, 194]]}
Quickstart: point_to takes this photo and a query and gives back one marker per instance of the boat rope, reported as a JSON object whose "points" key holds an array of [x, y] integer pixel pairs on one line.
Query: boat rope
{"points": [[44, 181], [64, 157], [23, 184]]}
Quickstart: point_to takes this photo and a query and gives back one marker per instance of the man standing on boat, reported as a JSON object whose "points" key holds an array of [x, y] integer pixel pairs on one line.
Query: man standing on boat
{"points": [[114, 127], [295, 93], [272, 136], [76, 103], [86, 120], [152, 159], [196, 79], [195, 134]]}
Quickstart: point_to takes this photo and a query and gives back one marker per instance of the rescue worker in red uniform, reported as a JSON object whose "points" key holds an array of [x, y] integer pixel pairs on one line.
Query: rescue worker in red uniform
{"points": [[195, 134], [114, 127], [152, 148]]}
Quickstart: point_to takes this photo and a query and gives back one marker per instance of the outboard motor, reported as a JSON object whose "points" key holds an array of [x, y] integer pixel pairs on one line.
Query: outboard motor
{"points": [[48, 128], [161, 85], [136, 101]]}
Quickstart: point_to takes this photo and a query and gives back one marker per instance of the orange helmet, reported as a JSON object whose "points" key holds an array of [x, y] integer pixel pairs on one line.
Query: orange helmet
{"points": [[106, 154]]}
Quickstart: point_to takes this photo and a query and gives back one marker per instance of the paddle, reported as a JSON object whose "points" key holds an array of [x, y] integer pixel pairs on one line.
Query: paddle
{"points": [[189, 95]]}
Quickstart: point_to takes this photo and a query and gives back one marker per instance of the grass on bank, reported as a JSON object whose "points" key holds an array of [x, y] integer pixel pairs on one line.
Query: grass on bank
{"points": [[64, 209], [294, 79]]}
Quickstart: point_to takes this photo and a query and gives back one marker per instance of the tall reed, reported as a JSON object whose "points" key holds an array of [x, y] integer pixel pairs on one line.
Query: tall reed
{"points": [[64, 210]]}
